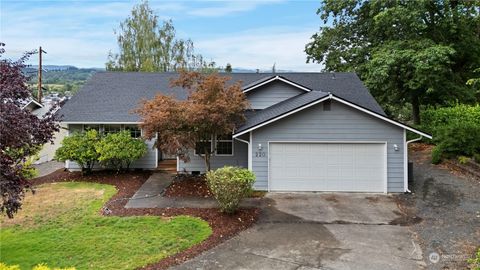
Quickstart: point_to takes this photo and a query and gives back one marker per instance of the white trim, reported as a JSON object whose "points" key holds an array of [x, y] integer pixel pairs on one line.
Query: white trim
{"points": [[306, 141], [281, 116], [405, 161], [232, 141], [385, 181], [330, 96], [178, 164], [276, 78], [156, 152], [211, 148], [249, 151], [34, 101]]}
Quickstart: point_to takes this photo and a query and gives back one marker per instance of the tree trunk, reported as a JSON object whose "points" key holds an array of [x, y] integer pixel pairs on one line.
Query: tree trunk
{"points": [[416, 110], [206, 158]]}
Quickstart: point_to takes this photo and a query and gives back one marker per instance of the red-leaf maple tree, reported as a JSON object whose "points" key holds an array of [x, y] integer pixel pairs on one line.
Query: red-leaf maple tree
{"points": [[21, 132], [213, 107]]}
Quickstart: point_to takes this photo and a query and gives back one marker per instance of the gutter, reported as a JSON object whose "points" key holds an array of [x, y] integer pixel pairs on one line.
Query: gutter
{"points": [[249, 150], [406, 149]]}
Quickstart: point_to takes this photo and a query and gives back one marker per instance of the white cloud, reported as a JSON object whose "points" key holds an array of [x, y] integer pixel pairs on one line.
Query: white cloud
{"points": [[261, 48]]}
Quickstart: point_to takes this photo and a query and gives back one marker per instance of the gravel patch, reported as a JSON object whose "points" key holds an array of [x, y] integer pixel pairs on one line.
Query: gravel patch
{"points": [[448, 205]]}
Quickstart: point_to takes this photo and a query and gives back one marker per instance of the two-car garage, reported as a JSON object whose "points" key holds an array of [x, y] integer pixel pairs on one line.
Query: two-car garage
{"points": [[327, 166]]}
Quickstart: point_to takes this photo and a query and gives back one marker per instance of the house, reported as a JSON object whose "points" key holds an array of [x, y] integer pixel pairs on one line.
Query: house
{"points": [[308, 131], [47, 153]]}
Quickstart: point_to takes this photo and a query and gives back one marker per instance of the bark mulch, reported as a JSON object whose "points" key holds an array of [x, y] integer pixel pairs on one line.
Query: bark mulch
{"points": [[188, 186], [127, 183]]}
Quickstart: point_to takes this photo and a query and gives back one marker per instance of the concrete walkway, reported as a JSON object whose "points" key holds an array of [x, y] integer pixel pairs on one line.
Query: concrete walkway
{"points": [[48, 167], [150, 195]]}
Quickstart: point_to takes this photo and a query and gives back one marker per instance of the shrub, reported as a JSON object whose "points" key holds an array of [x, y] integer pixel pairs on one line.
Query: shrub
{"points": [[476, 157], [475, 262], [119, 150], [80, 147], [461, 138], [230, 185], [433, 119]]}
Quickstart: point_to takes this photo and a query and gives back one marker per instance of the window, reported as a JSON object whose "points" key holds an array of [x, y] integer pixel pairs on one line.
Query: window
{"points": [[89, 127], [224, 145], [111, 129], [201, 145], [135, 131]]}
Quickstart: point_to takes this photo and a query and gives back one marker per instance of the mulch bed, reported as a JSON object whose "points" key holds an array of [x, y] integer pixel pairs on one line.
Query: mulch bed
{"points": [[127, 183], [188, 186]]}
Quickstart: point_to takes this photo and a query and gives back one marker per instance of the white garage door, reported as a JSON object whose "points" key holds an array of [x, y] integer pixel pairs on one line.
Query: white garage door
{"points": [[355, 167]]}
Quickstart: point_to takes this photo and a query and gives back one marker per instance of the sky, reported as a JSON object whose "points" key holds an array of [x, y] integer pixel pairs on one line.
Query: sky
{"points": [[248, 34]]}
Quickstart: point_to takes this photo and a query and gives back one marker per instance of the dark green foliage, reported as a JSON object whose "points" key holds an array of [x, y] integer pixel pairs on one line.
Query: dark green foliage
{"points": [[476, 157], [230, 185], [80, 147], [119, 150], [115, 150], [458, 138], [407, 52], [436, 118]]}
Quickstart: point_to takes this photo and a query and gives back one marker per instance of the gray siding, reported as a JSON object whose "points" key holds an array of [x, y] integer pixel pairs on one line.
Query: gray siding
{"points": [[341, 123], [270, 94], [148, 161], [239, 158]]}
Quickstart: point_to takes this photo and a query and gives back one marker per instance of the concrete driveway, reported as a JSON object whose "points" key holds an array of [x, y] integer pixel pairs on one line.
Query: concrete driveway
{"points": [[319, 231]]}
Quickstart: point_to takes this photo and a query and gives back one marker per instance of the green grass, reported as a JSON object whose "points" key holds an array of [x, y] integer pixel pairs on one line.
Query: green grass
{"points": [[61, 226]]}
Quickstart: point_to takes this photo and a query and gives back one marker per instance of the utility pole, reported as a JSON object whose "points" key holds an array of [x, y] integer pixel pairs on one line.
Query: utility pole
{"points": [[40, 51]]}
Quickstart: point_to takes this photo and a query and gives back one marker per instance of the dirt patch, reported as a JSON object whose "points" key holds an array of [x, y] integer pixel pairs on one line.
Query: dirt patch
{"points": [[49, 202], [373, 199], [223, 226], [188, 186], [404, 220], [331, 198]]}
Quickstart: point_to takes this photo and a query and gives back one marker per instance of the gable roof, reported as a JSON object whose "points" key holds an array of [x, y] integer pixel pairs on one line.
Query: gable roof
{"points": [[109, 97], [267, 80], [304, 101]]}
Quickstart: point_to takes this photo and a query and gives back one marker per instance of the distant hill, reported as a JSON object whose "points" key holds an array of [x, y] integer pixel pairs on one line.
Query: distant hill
{"points": [[67, 79], [62, 79]]}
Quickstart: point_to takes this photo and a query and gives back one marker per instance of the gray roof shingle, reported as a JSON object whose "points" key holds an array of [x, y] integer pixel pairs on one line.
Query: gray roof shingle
{"points": [[112, 96]]}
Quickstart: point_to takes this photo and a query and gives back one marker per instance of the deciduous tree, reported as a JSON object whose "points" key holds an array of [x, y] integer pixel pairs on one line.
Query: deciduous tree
{"points": [[407, 52], [145, 44], [213, 107], [22, 133]]}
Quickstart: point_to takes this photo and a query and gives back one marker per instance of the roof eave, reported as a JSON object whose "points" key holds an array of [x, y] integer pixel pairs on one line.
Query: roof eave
{"points": [[275, 78], [341, 100]]}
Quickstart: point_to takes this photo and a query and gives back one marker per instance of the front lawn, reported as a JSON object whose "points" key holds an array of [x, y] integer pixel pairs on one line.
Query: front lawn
{"points": [[61, 226]]}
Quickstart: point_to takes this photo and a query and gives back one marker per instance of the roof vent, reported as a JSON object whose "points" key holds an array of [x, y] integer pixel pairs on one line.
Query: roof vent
{"points": [[333, 75]]}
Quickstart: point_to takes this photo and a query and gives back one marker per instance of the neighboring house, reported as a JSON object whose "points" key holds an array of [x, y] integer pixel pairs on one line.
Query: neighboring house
{"points": [[47, 153], [308, 131]]}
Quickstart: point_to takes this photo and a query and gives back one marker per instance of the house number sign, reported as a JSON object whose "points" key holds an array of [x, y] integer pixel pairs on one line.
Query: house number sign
{"points": [[260, 154]]}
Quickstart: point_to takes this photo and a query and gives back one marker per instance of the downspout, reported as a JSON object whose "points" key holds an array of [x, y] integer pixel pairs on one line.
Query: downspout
{"points": [[406, 149], [249, 154]]}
